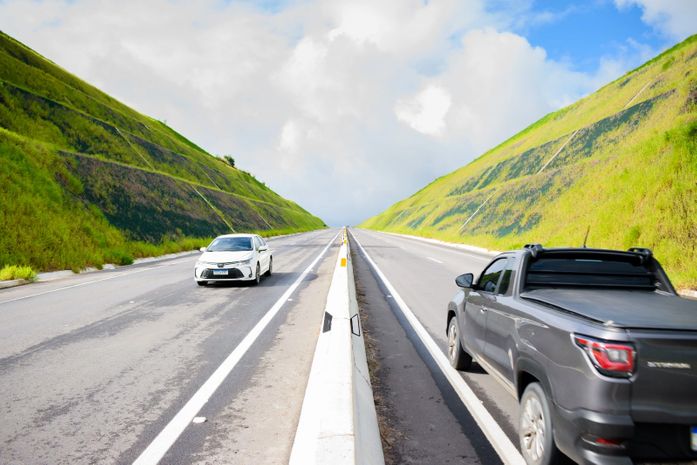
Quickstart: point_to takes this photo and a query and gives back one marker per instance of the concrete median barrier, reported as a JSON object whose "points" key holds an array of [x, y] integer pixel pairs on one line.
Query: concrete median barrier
{"points": [[338, 423]]}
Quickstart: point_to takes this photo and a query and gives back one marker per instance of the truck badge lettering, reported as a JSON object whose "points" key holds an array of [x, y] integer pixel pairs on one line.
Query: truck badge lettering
{"points": [[675, 365]]}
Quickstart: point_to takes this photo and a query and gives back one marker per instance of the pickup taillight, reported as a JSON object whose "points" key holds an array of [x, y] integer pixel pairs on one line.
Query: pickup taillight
{"points": [[609, 358]]}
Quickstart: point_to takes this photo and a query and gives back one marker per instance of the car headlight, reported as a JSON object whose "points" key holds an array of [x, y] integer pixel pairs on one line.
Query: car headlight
{"points": [[242, 263]]}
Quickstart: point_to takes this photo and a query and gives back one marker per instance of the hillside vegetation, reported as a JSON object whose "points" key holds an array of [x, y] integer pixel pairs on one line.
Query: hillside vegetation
{"points": [[86, 180], [622, 161]]}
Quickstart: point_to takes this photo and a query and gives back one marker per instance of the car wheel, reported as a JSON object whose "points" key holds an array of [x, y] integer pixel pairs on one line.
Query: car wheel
{"points": [[202, 283], [257, 275], [459, 359], [270, 270], [535, 428]]}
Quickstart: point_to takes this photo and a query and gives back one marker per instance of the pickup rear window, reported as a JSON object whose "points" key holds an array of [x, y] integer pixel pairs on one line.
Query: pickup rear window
{"points": [[626, 271]]}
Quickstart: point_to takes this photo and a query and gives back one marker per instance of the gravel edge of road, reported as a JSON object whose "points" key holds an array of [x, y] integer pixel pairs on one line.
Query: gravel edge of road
{"points": [[447, 433], [389, 436]]}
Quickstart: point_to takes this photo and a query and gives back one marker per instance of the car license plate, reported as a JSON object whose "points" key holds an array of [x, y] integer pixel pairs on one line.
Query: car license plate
{"points": [[219, 272], [694, 438]]}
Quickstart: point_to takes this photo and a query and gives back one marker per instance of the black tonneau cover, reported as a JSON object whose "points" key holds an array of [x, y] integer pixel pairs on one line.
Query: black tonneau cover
{"points": [[622, 308]]}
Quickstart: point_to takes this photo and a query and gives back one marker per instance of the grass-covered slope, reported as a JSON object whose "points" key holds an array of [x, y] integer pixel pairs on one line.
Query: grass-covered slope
{"points": [[86, 180], [622, 161]]}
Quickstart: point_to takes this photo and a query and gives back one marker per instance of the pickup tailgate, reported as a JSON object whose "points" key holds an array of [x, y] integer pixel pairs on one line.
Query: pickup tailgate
{"points": [[664, 388], [663, 329]]}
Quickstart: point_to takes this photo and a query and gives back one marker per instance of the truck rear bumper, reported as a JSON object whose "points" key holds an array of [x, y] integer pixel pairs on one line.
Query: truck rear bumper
{"points": [[592, 438]]}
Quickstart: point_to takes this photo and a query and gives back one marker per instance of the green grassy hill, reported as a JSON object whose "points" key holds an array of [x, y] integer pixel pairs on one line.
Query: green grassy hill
{"points": [[86, 180], [622, 161]]}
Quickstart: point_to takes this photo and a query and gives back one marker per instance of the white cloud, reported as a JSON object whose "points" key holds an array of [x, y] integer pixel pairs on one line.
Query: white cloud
{"points": [[290, 138], [493, 84], [344, 107], [426, 111], [676, 18]]}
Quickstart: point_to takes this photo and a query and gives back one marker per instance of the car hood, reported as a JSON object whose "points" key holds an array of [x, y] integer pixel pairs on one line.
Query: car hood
{"points": [[621, 308], [226, 257]]}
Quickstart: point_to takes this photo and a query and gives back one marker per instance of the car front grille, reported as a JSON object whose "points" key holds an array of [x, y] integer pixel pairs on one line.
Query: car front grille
{"points": [[232, 273]]}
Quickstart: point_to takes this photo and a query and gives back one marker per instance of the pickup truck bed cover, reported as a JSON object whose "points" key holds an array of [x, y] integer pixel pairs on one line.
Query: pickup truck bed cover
{"points": [[622, 308]]}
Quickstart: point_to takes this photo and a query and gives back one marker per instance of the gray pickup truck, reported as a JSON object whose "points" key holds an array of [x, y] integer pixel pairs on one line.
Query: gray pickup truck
{"points": [[595, 344]]}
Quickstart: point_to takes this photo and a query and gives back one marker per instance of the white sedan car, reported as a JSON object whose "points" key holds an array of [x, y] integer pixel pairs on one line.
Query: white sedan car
{"points": [[234, 257]]}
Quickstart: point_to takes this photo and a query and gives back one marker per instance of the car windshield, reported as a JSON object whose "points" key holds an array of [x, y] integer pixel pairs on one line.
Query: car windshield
{"points": [[230, 244]]}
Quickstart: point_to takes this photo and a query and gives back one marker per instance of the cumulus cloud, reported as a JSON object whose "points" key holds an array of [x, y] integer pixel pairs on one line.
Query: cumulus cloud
{"points": [[426, 111], [498, 81], [344, 107], [675, 18]]}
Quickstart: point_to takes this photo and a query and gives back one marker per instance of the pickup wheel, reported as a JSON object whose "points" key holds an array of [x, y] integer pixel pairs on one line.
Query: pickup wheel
{"points": [[535, 428], [459, 359]]}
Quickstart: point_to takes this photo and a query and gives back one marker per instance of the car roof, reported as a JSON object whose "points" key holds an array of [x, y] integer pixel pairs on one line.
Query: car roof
{"points": [[237, 235]]}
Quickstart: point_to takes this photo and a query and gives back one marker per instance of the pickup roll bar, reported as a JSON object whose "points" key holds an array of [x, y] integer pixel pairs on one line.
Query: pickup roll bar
{"points": [[534, 249], [646, 254]]}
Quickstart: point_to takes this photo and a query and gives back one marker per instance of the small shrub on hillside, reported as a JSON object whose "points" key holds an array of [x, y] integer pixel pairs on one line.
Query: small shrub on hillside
{"points": [[17, 272], [230, 161], [118, 257]]}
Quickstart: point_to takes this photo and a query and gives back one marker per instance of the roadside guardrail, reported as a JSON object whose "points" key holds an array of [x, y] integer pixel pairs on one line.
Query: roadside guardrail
{"points": [[338, 423]]}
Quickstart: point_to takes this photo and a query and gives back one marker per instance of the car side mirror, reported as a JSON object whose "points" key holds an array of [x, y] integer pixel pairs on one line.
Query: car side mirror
{"points": [[465, 280], [202, 249], [263, 248]]}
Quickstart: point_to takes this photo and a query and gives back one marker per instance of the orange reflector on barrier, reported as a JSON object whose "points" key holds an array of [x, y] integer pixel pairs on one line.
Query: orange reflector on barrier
{"points": [[343, 262]]}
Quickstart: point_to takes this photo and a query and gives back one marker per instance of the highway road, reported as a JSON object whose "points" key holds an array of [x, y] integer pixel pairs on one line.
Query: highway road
{"points": [[105, 367], [95, 368], [423, 275]]}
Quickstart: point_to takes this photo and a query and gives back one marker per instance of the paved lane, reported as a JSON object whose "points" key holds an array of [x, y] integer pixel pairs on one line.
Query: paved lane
{"points": [[93, 367], [423, 274]]}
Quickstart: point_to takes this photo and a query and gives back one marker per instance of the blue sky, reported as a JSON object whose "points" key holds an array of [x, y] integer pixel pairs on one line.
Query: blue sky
{"points": [[577, 33], [581, 33], [347, 106]]}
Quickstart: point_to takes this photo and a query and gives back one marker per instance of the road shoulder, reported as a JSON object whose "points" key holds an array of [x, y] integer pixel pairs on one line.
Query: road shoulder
{"points": [[420, 421]]}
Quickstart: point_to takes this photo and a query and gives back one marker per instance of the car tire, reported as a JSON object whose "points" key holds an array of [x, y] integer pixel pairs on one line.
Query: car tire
{"points": [[459, 359], [202, 283], [535, 428], [257, 276], [270, 270]]}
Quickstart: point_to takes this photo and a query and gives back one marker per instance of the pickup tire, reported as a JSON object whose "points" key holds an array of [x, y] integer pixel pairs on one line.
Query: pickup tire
{"points": [[459, 359], [535, 428]]}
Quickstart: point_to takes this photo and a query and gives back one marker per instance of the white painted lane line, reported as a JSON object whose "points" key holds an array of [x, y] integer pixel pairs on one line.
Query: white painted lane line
{"points": [[493, 432], [120, 275], [434, 260], [161, 444]]}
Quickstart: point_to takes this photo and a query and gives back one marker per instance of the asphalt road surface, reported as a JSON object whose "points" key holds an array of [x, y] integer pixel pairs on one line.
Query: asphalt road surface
{"points": [[423, 274], [94, 367]]}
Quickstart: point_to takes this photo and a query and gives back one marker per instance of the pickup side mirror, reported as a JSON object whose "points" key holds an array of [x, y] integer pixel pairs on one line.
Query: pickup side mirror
{"points": [[202, 249], [465, 280]]}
